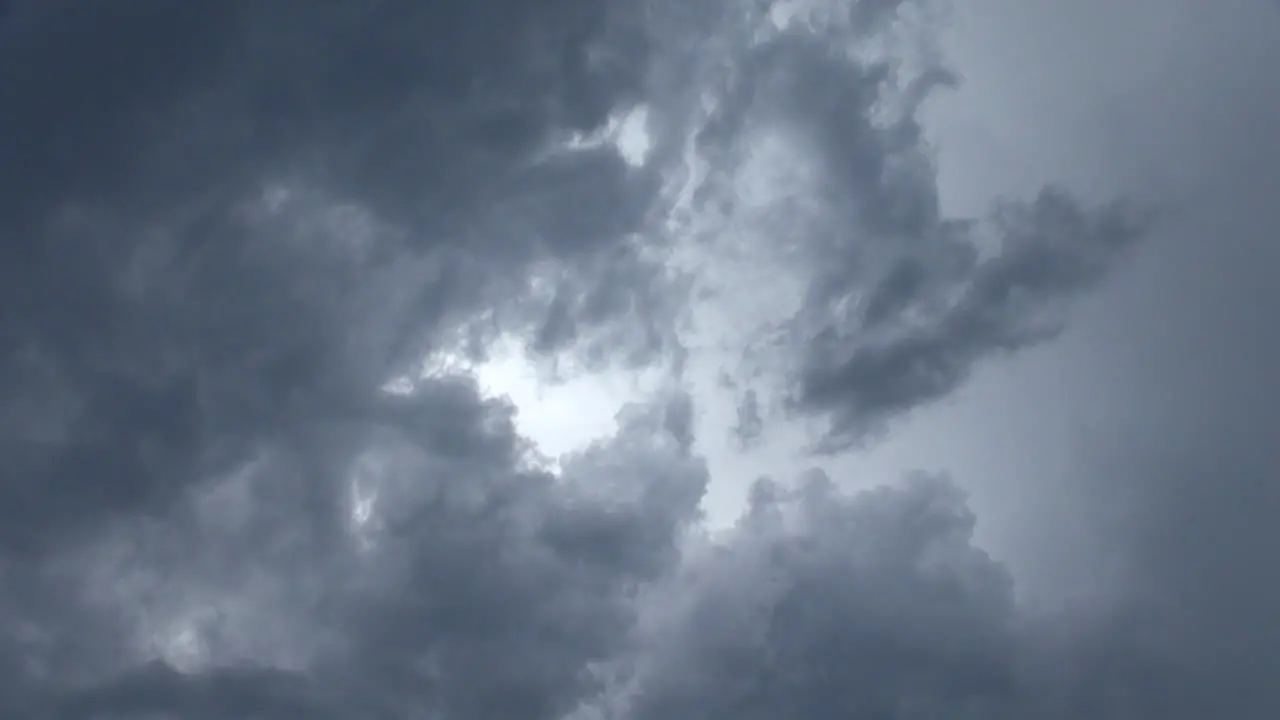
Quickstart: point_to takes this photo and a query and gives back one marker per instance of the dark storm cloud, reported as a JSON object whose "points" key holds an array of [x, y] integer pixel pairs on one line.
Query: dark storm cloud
{"points": [[901, 302], [475, 590], [890, 611], [227, 226], [935, 323], [222, 217], [231, 225]]}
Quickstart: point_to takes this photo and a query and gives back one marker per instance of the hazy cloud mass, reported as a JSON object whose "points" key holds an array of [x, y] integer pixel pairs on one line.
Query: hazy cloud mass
{"points": [[254, 254]]}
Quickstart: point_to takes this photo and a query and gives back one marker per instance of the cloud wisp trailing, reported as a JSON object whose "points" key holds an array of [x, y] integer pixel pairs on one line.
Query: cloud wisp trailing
{"points": [[250, 249]]}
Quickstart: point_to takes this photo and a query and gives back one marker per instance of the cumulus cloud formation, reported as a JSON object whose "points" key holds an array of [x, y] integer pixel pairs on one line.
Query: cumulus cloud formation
{"points": [[826, 606], [253, 250]]}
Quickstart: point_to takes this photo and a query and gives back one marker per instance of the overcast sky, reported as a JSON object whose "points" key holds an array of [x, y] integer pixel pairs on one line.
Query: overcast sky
{"points": [[595, 359]]}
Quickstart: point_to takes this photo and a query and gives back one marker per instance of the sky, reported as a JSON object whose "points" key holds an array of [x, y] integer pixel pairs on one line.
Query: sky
{"points": [[603, 360]]}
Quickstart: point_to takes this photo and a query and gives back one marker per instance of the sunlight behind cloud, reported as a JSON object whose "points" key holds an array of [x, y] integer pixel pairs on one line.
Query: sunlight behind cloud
{"points": [[559, 415], [627, 132]]}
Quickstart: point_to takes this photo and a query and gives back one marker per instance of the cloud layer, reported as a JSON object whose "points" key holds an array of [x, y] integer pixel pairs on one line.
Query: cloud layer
{"points": [[247, 474]]}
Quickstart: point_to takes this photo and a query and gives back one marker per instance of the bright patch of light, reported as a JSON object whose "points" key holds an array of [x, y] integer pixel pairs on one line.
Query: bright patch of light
{"points": [[362, 501], [181, 644], [631, 137], [783, 14], [558, 416], [361, 505], [398, 386], [627, 133]]}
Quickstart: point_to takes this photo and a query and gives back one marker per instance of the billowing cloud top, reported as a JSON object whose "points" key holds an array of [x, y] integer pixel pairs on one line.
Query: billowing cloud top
{"points": [[249, 247]]}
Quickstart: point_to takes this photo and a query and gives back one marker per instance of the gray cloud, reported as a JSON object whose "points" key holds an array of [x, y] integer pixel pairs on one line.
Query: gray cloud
{"points": [[1051, 250], [821, 604], [827, 606], [474, 589], [231, 228], [750, 425], [901, 302], [227, 217]]}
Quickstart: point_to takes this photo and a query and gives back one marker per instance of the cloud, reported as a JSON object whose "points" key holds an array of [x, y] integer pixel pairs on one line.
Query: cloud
{"points": [[232, 227], [228, 217], [898, 303], [240, 476], [821, 605], [465, 586], [878, 604]]}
